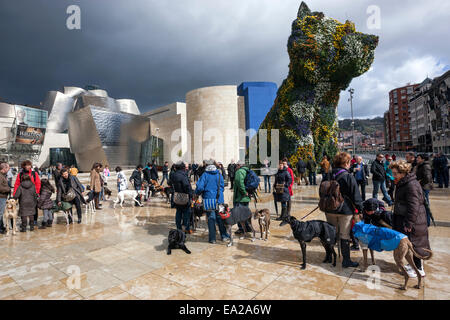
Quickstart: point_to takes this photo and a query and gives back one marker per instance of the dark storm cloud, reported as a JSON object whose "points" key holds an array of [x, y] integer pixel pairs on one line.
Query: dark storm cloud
{"points": [[156, 51]]}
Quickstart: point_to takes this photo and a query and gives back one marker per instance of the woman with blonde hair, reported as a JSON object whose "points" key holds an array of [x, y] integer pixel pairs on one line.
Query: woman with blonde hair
{"points": [[410, 215]]}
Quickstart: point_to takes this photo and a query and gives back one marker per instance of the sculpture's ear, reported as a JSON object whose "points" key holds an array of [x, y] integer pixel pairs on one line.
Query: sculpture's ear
{"points": [[303, 11]]}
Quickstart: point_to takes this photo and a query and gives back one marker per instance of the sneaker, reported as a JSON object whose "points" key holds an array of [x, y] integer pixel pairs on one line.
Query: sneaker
{"points": [[421, 271], [410, 271], [212, 242]]}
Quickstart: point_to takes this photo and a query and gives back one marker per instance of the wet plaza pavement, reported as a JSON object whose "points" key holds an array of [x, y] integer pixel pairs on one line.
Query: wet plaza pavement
{"points": [[121, 254]]}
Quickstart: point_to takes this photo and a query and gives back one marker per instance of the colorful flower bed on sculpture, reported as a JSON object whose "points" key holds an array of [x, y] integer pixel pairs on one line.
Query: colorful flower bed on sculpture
{"points": [[325, 55]]}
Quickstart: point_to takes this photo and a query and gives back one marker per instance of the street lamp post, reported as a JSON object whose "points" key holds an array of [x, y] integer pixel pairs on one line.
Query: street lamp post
{"points": [[351, 90]]}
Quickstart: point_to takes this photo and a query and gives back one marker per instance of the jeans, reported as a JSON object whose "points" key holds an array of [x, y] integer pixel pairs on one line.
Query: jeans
{"points": [[183, 213], [312, 178], [77, 204], [138, 197], [166, 177], [48, 215], [266, 182], [376, 187], [247, 227], [443, 178], [362, 184], [2, 210], [214, 218]]}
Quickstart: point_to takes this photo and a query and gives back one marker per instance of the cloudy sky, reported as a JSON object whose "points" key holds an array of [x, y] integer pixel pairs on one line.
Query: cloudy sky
{"points": [[154, 51]]}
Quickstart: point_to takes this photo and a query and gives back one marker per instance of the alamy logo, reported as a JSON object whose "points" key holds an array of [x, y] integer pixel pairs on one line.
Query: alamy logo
{"points": [[73, 22]]}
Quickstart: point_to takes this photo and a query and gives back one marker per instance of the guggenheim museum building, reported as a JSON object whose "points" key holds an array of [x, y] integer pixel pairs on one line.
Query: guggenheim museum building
{"points": [[83, 126]]}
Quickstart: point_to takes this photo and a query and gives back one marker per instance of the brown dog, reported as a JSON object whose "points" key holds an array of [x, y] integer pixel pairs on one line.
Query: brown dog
{"points": [[10, 213], [405, 250], [263, 217]]}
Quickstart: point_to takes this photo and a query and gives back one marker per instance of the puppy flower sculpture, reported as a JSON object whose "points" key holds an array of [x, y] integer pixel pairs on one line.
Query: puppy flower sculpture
{"points": [[325, 55]]}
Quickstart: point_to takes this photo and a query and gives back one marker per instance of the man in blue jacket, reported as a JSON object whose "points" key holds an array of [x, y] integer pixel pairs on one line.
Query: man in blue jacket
{"points": [[209, 186]]}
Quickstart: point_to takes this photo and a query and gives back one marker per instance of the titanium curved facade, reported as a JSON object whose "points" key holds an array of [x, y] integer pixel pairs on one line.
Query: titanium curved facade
{"points": [[128, 106]]}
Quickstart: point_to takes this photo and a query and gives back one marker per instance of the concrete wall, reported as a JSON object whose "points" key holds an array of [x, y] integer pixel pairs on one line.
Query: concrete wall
{"points": [[52, 140], [168, 119], [213, 123]]}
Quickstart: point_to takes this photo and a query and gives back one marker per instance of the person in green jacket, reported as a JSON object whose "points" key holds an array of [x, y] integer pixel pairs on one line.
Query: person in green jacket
{"points": [[240, 196]]}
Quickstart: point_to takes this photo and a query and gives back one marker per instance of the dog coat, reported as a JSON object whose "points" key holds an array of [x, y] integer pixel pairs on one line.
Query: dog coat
{"points": [[306, 231], [238, 214], [377, 238]]}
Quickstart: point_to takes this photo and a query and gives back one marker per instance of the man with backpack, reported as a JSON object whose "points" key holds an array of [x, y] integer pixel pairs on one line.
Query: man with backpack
{"points": [[244, 185], [312, 168], [340, 200]]}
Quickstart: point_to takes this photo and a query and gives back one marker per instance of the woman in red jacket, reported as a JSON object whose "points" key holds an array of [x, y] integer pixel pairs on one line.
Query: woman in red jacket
{"points": [[27, 170]]}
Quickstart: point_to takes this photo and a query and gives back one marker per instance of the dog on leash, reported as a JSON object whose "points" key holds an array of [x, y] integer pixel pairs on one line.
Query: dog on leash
{"points": [[129, 194], [107, 192], [263, 217], [386, 239], [177, 239], [306, 231], [197, 212], [238, 215], [11, 213]]}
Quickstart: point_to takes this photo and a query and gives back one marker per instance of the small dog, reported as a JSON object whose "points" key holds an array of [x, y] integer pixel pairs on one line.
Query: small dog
{"points": [[197, 212], [177, 239], [237, 215], [306, 231], [263, 217], [67, 214], [168, 191], [130, 194], [10, 213], [90, 206], [107, 192]]}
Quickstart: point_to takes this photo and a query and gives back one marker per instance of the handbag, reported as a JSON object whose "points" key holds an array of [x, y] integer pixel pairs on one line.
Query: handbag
{"points": [[69, 195], [206, 203], [279, 188], [181, 199]]}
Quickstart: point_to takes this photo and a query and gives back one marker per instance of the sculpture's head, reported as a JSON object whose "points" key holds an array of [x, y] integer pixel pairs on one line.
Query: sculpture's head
{"points": [[323, 49]]}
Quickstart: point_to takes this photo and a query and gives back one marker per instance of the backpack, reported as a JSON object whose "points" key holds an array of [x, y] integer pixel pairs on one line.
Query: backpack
{"points": [[331, 199], [251, 181]]}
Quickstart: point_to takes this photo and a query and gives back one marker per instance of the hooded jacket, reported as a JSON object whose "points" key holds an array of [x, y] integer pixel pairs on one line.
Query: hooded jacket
{"points": [[181, 184], [240, 193], [26, 193], [209, 183], [4, 186], [45, 202]]}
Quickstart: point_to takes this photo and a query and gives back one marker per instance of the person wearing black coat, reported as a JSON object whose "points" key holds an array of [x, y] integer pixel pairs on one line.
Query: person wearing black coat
{"points": [[231, 173], [136, 179], [379, 179], [165, 172], [425, 178], [181, 184], [281, 191], [45, 203], [65, 183], [342, 219], [301, 170], [154, 172]]}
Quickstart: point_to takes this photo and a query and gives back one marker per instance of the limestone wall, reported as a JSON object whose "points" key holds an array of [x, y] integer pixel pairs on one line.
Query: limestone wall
{"points": [[213, 123]]}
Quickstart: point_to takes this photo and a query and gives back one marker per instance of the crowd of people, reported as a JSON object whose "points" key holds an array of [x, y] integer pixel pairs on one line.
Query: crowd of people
{"points": [[405, 186]]}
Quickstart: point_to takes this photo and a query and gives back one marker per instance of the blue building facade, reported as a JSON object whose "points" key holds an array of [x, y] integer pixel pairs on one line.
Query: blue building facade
{"points": [[259, 99]]}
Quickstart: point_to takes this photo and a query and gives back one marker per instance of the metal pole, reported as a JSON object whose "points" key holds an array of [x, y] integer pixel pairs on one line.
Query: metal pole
{"points": [[351, 90]]}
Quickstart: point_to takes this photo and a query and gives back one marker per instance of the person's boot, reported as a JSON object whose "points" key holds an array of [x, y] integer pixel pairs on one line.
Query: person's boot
{"points": [[49, 223], [23, 229], [345, 249], [283, 216], [31, 226], [42, 225]]}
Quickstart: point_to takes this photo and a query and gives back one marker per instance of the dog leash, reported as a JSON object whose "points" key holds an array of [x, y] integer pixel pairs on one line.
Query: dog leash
{"points": [[310, 213]]}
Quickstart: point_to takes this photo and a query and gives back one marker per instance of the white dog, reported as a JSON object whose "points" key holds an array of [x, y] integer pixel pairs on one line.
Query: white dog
{"points": [[90, 209], [67, 214], [10, 213], [130, 194]]}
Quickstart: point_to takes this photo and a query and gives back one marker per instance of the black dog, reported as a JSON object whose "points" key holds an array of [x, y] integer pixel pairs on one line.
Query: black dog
{"points": [[168, 192], [197, 213], [107, 192], [306, 231], [177, 238]]}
